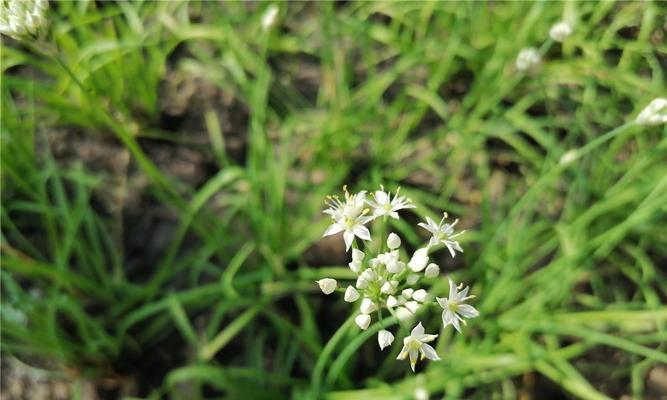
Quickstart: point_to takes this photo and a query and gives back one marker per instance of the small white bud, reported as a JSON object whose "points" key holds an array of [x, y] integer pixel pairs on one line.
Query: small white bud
{"points": [[355, 266], [421, 393], [412, 279], [362, 320], [357, 255], [395, 266], [392, 301], [327, 285], [385, 338], [653, 114], [367, 306], [560, 31], [527, 59], [412, 306], [407, 293], [351, 294], [432, 270], [393, 241], [269, 17], [419, 260], [403, 313], [369, 275], [361, 283], [419, 295], [569, 157], [388, 288]]}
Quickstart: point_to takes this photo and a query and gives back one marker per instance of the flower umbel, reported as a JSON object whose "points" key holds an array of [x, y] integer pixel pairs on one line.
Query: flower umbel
{"points": [[415, 344], [21, 18], [454, 307], [527, 59]]}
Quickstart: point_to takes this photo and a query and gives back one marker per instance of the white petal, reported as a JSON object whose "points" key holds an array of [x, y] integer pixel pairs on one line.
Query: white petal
{"points": [[414, 354], [447, 317], [429, 352], [333, 229], [442, 301], [362, 232], [452, 290], [348, 237], [467, 311], [363, 320], [456, 324], [403, 353], [418, 330]]}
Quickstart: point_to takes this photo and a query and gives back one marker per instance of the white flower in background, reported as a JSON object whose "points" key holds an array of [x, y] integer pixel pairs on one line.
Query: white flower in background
{"points": [[327, 285], [393, 241], [385, 338], [432, 270], [351, 294], [654, 114], [382, 203], [443, 233], [419, 259], [421, 393], [527, 59], [415, 344], [362, 321], [560, 31], [269, 17], [21, 18], [454, 307]]}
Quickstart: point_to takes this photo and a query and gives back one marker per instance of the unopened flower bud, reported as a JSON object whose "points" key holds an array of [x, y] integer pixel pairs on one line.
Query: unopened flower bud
{"points": [[367, 306], [327, 285], [412, 306], [392, 301], [419, 295], [362, 320], [388, 288], [361, 283], [419, 260], [385, 338], [357, 255], [393, 241], [560, 31], [369, 275], [355, 266], [527, 59], [432, 270], [351, 294]]}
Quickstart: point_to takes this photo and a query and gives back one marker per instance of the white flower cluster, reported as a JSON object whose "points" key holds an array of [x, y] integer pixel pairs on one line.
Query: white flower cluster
{"points": [[20, 18], [530, 56], [385, 281]]}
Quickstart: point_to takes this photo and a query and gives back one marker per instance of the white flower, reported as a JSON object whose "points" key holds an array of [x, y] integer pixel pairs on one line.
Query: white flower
{"points": [[419, 259], [351, 294], [432, 270], [20, 18], [654, 114], [269, 17], [560, 31], [443, 233], [383, 204], [349, 217], [454, 307], [362, 320], [367, 306], [361, 283], [420, 295], [385, 338], [327, 285], [415, 344], [393, 241], [527, 59]]}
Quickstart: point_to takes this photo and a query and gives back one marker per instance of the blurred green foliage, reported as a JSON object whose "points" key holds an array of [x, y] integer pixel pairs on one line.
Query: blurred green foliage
{"points": [[567, 260]]}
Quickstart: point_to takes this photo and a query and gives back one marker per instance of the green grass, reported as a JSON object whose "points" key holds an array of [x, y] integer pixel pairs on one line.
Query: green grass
{"points": [[567, 261]]}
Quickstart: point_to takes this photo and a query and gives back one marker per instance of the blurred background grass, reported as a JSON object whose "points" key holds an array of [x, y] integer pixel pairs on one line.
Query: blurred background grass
{"points": [[161, 226]]}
